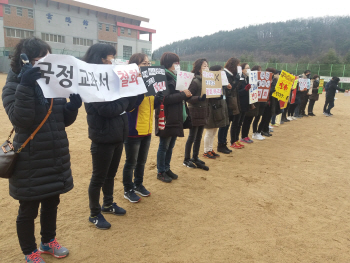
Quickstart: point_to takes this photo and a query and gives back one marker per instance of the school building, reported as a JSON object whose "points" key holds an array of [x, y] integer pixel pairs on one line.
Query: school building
{"points": [[70, 27]]}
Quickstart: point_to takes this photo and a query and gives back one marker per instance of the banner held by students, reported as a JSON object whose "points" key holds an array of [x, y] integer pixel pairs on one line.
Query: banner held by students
{"points": [[154, 79], [224, 78], [283, 86], [63, 75], [303, 84], [253, 91], [264, 85], [211, 84], [320, 87], [183, 80]]}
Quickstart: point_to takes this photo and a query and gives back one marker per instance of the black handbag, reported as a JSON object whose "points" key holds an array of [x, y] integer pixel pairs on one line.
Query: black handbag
{"points": [[8, 155]]}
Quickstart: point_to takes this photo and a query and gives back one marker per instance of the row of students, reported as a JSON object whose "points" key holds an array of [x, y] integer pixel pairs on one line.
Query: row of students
{"points": [[43, 171]]}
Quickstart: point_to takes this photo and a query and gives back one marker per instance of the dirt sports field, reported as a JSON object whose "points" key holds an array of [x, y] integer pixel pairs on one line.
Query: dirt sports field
{"points": [[285, 199]]}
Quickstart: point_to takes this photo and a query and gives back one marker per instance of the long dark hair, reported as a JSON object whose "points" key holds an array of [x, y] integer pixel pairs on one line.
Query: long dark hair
{"points": [[197, 65], [97, 52], [33, 47], [232, 64]]}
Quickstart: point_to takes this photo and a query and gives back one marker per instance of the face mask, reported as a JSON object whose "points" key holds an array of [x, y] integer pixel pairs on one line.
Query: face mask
{"points": [[177, 68], [317, 80], [247, 72], [113, 62]]}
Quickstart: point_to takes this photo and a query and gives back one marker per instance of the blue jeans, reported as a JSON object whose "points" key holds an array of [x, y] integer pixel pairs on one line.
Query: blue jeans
{"points": [[165, 150], [136, 151]]}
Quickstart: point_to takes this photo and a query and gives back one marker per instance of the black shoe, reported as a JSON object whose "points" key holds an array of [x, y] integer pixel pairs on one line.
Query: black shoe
{"points": [[285, 120], [304, 115], [222, 148], [171, 174], [141, 190], [113, 209], [131, 196], [189, 164], [267, 134], [311, 114], [202, 166], [194, 160], [164, 177], [228, 148]]}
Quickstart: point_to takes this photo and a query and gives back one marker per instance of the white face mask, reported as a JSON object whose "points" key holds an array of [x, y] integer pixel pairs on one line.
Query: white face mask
{"points": [[177, 68], [247, 72]]}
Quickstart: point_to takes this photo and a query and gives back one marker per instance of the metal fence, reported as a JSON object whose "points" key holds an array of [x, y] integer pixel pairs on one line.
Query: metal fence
{"points": [[339, 70]]}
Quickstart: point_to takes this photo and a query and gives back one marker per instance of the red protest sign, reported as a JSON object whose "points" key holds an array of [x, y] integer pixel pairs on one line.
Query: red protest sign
{"points": [[264, 85]]}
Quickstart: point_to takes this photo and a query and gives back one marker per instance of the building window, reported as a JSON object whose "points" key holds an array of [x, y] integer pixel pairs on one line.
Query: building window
{"points": [[82, 41], [122, 30], [114, 29], [7, 9], [30, 13], [127, 52], [129, 31], [19, 11], [147, 51], [18, 33], [114, 44], [53, 38], [99, 26], [107, 28]]}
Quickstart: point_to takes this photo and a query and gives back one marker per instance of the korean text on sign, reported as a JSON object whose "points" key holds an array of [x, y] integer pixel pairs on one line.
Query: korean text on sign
{"points": [[183, 80], [63, 75], [154, 79], [211, 84], [264, 85], [283, 86]]}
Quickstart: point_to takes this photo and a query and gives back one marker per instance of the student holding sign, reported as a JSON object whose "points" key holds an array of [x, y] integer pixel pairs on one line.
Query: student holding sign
{"points": [[304, 93], [314, 95], [42, 171], [230, 91], [175, 118], [140, 120], [108, 129], [198, 110]]}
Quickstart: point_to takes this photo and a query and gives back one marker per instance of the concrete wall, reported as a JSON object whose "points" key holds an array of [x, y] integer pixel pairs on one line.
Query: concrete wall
{"points": [[58, 25], [136, 45], [5, 64]]}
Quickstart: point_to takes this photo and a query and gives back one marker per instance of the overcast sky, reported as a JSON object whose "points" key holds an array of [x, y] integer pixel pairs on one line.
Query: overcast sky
{"points": [[178, 20]]}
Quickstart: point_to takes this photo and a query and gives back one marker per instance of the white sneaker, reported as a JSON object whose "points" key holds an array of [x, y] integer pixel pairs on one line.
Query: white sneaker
{"points": [[289, 118], [258, 136], [255, 135], [271, 127], [261, 137], [293, 118]]}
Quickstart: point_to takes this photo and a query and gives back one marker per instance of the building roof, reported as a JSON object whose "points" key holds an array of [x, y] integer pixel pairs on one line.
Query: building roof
{"points": [[100, 9]]}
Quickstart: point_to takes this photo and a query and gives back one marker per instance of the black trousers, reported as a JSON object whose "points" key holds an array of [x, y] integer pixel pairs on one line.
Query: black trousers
{"points": [[329, 104], [194, 138], [265, 120], [255, 123], [311, 106], [246, 126], [236, 126], [284, 113], [27, 212], [304, 99], [291, 109], [105, 162]]}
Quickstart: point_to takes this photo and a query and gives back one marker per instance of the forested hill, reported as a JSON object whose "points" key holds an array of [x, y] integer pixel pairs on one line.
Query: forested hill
{"points": [[300, 40]]}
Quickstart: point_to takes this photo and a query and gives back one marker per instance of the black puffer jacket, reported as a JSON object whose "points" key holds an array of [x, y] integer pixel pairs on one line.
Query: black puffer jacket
{"points": [[43, 167], [173, 111], [108, 122]]}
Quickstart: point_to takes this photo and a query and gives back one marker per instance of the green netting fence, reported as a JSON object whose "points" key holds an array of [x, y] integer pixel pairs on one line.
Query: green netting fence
{"points": [[339, 70]]}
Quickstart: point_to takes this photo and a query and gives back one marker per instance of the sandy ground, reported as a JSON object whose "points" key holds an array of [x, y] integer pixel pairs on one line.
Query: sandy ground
{"points": [[285, 199]]}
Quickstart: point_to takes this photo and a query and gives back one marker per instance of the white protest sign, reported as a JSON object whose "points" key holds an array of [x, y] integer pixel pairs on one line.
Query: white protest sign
{"points": [[63, 75], [224, 78], [253, 94], [303, 84], [253, 77], [183, 80]]}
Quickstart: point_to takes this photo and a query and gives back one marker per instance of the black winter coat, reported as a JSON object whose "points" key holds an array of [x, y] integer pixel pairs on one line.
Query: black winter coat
{"points": [[173, 111], [332, 88], [232, 99], [43, 166], [108, 122], [243, 95]]}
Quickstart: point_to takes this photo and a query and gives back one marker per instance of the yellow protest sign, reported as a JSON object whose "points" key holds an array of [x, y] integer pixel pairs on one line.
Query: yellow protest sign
{"points": [[295, 85], [321, 83], [283, 86]]}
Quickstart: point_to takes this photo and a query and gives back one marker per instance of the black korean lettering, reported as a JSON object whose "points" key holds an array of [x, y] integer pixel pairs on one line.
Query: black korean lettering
{"points": [[48, 71], [84, 79], [104, 79], [63, 72], [93, 80]]}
